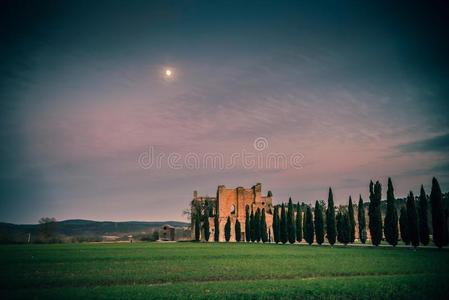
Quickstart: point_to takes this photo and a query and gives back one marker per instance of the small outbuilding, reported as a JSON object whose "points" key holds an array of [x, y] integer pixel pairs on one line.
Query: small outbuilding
{"points": [[167, 233]]}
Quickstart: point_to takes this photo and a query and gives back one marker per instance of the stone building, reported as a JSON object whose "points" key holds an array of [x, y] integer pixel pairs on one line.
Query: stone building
{"points": [[231, 202], [170, 233], [167, 233]]}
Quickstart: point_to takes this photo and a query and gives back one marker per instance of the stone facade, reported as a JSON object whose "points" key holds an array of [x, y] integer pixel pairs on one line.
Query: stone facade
{"points": [[231, 202]]}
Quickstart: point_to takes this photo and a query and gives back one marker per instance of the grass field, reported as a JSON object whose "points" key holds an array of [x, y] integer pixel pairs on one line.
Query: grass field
{"points": [[199, 270]]}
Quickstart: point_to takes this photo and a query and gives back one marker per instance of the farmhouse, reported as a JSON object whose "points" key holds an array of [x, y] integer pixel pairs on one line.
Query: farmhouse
{"points": [[232, 202]]}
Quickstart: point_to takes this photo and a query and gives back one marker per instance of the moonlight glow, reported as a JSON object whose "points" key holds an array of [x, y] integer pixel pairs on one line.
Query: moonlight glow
{"points": [[168, 73]]}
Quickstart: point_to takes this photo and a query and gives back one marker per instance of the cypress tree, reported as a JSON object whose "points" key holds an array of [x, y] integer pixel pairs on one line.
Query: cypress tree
{"points": [[238, 231], [362, 221], [304, 229], [228, 229], [339, 220], [263, 227], [252, 226], [351, 221], [403, 224], [345, 228], [283, 233], [276, 225], [412, 220], [247, 225], [330, 218], [371, 207], [257, 225], [206, 227], [291, 230], [391, 217], [319, 226], [298, 223], [308, 226], [375, 216], [446, 229], [438, 222], [423, 225], [217, 227]]}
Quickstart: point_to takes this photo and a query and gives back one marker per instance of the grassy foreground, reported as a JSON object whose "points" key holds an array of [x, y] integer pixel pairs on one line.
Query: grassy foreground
{"points": [[199, 270]]}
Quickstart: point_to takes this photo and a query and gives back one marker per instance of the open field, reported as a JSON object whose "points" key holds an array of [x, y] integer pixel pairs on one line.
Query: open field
{"points": [[199, 270]]}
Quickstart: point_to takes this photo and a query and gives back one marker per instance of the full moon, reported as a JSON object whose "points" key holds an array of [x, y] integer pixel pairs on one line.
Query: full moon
{"points": [[168, 72]]}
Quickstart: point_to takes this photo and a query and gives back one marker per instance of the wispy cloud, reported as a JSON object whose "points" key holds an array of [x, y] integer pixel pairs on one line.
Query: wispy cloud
{"points": [[435, 144]]}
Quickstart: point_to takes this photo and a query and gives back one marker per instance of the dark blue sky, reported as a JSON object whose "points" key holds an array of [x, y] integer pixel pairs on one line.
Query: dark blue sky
{"points": [[361, 90]]}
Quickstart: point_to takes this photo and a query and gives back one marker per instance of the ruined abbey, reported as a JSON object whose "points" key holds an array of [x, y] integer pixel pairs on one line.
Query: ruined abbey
{"points": [[231, 202]]}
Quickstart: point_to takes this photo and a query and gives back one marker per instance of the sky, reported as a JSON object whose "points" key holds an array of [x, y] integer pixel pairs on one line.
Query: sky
{"points": [[355, 91]]}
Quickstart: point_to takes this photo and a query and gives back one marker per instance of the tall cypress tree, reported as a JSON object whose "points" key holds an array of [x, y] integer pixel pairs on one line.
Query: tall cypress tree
{"points": [[330, 219], [412, 220], [228, 229], [391, 218], [283, 233], [403, 224], [423, 225], [339, 220], [304, 223], [291, 230], [252, 226], [362, 221], [263, 227], [257, 225], [216, 227], [371, 207], [446, 229], [351, 221], [238, 231], [197, 225], [345, 228], [276, 225], [298, 223], [319, 226], [308, 226], [247, 225], [375, 216], [206, 226], [438, 222]]}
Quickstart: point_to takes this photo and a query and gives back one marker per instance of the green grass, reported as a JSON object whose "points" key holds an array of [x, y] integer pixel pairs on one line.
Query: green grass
{"points": [[199, 270]]}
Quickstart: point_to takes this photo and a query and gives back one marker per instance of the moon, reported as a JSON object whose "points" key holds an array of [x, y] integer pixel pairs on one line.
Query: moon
{"points": [[168, 73]]}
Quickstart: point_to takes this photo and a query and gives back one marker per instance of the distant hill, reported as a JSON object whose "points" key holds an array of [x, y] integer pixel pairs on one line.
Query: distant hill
{"points": [[86, 228]]}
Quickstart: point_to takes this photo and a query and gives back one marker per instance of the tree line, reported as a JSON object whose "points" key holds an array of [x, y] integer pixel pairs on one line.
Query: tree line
{"points": [[293, 224]]}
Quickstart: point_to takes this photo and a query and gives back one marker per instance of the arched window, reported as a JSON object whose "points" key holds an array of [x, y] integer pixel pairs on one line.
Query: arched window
{"points": [[232, 209]]}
